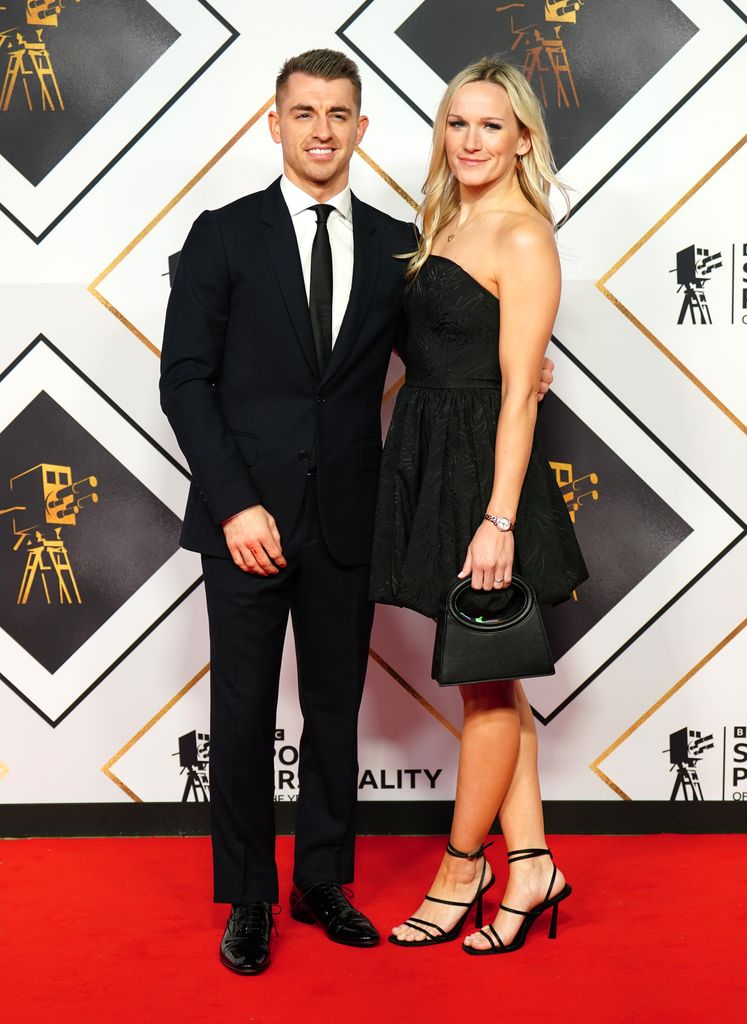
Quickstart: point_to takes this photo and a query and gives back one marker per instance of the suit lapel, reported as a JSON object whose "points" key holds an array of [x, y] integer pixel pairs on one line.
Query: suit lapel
{"points": [[279, 238], [365, 272]]}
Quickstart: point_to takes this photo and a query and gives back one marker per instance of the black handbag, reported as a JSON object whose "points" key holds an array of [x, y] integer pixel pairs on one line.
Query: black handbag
{"points": [[484, 635]]}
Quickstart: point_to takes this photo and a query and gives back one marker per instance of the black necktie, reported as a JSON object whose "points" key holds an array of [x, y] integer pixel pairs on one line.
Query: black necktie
{"points": [[320, 287]]}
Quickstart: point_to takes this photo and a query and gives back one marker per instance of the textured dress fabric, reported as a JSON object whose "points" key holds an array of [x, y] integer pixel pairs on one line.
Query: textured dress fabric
{"points": [[439, 458]]}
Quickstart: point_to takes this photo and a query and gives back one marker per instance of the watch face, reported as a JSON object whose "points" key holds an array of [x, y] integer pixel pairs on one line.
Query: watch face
{"points": [[503, 524]]}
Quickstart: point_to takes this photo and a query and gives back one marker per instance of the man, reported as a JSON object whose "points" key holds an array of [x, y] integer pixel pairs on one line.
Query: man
{"points": [[282, 317]]}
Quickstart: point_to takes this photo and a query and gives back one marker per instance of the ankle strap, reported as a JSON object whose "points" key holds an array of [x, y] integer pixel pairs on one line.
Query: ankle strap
{"points": [[514, 855], [453, 852]]}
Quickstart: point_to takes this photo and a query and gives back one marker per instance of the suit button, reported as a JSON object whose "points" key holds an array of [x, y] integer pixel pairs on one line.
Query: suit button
{"points": [[304, 455], [320, 400]]}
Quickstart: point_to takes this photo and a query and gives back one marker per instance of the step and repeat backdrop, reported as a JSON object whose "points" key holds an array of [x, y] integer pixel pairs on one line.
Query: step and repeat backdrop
{"points": [[120, 121]]}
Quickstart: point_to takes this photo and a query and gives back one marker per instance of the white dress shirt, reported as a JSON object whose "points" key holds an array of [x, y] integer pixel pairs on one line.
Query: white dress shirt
{"points": [[340, 229]]}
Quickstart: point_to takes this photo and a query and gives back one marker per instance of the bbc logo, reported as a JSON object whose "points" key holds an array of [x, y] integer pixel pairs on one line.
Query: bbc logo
{"points": [[740, 732]]}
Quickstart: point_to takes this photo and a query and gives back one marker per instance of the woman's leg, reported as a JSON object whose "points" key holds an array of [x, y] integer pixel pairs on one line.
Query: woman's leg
{"points": [[523, 828], [487, 760]]}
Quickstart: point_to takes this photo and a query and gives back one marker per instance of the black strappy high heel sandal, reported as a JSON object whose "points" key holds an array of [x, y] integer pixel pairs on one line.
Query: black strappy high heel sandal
{"points": [[497, 945], [421, 926]]}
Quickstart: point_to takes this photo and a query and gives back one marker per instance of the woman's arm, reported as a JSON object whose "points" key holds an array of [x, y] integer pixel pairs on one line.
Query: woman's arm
{"points": [[528, 276]]}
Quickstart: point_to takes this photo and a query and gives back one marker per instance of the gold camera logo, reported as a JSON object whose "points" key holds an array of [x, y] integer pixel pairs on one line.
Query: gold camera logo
{"points": [[572, 487], [574, 490], [546, 62], [25, 62], [46, 496]]}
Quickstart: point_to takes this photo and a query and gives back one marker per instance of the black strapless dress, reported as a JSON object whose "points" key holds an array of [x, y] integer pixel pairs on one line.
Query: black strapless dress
{"points": [[437, 468]]}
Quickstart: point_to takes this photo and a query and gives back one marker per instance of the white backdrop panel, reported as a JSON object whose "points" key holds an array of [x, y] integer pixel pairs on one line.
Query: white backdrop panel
{"points": [[84, 261]]}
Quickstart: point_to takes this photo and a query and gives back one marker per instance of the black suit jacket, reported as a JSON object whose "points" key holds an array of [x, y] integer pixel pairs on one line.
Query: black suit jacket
{"points": [[239, 377]]}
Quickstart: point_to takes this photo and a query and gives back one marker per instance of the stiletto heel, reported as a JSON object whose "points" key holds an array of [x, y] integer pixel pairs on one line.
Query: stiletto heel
{"points": [[478, 911], [553, 933], [497, 945], [421, 925]]}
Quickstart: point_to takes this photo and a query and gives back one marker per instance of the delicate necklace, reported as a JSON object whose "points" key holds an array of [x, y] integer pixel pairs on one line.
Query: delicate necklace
{"points": [[455, 232]]}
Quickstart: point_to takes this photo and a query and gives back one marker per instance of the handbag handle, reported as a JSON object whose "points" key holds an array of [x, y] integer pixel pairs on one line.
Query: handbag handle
{"points": [[458, 588]]}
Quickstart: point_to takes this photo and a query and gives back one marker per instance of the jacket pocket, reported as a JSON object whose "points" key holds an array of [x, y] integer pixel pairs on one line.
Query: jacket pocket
{"points": [[248, 446]]}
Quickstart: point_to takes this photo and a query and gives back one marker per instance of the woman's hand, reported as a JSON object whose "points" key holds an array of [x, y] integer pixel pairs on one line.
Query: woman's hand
{"points": [[490, 558]]}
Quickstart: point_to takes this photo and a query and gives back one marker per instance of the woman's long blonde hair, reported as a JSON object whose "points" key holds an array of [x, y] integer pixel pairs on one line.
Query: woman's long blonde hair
{"points": [[536, 171]]}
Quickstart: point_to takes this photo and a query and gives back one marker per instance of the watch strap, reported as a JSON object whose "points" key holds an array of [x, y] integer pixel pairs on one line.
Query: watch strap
{"points": [[498, 521]]}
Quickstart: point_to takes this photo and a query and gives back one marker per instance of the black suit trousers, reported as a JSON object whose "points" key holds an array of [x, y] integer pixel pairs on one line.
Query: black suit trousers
{"points": [[248, 615]]}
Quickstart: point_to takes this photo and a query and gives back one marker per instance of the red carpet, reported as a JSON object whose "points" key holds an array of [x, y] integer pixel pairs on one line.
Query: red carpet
{"points": [[123, 930]]}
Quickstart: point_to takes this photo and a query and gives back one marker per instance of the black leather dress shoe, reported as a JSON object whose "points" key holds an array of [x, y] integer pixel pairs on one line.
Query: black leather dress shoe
{"points": [[327, 904], [245, 947]]}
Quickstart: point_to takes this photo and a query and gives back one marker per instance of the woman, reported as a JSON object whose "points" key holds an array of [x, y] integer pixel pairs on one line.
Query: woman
{"points": [[462, 475]]}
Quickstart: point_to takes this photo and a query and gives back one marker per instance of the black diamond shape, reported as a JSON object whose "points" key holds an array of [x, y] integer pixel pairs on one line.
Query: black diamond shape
{"points": [[97, 51], [624, 528], [598, 48], [667, 533], [113, 548]]}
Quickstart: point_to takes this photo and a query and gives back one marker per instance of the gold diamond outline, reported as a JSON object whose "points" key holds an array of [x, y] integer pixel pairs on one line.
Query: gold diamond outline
{"points": [[93, 287], [4, 770], [655, 707], [602, 282], [107, 768], [415, 694], [388, 179]]}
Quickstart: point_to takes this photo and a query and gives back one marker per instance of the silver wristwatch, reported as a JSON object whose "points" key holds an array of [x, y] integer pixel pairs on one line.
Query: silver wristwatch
{"points": [[502, 523]]}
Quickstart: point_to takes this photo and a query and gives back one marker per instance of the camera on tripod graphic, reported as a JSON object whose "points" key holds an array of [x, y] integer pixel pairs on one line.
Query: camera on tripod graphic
{"points": [[546, 61], [694, 268], [28, 68], [686, 749], [47, 496], [194, 759]]}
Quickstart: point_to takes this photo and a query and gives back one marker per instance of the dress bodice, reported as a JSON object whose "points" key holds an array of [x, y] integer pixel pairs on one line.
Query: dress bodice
{"points": [[452, 329], [437, 469]]}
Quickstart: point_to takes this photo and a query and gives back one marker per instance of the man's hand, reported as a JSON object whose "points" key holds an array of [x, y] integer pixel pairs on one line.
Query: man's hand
{"points": [[546, 378], [254, 542]]}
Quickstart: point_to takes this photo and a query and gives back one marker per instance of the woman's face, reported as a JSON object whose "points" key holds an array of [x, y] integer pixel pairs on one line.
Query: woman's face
{"points": [[483, 135]]}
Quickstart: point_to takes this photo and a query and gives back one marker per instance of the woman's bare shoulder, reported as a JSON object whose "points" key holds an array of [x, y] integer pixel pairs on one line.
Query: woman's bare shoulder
{"points": [[524, 248], [523, 231]]}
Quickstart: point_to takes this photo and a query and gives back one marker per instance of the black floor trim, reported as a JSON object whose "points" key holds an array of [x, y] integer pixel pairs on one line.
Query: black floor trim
{"points": [[564, 817]]}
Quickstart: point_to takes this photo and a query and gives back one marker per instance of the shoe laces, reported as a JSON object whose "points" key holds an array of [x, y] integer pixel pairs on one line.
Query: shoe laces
{"points": [[339, 896], [251, 917]]}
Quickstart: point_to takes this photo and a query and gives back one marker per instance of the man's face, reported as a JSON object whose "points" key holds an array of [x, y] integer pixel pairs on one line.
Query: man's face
{"points": [[318, 125]]}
